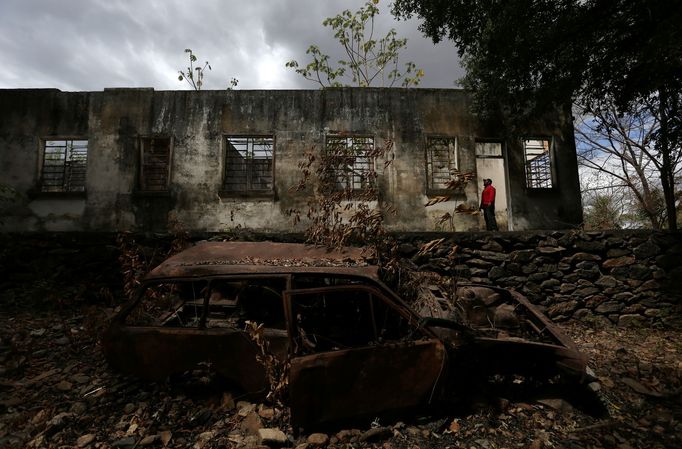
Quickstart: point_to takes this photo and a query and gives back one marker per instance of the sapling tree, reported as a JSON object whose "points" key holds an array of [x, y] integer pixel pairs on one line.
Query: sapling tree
{"points": [[195, 81], [369, 60]]}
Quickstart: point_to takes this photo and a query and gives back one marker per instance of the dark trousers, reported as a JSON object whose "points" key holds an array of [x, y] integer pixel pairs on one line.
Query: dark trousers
{"points": [[489, 215]]}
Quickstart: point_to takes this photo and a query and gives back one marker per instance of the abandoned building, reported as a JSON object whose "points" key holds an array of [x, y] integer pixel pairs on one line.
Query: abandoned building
{"points": [[137, 159]]}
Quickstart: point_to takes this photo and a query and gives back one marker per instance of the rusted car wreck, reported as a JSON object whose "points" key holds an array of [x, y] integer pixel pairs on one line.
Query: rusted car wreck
{"points": [[355, 347]]}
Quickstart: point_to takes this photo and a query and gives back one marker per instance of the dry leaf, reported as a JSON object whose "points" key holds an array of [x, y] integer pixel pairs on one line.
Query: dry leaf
{"points": [[436, 200], [165, 437], [639, 388], [430, 246], [454, 426]]}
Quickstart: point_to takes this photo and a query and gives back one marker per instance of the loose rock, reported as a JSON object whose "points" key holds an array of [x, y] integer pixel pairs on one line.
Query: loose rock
{"points": [[318, 439], [85, 440], [149, 439], [376, 434], [272, 437]]}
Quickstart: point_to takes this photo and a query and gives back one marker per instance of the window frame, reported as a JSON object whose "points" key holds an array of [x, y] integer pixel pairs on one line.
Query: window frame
{"points": [[64, 191], [371, 164], [549, 175], [375, 295], [453, 163], [140, 295], [489, 140], [248, 191], [141, 188]]}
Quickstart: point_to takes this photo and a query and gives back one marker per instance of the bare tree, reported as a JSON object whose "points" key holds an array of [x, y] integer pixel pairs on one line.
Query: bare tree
{"points": [[608, 204], [603, 211], [623, 147]]}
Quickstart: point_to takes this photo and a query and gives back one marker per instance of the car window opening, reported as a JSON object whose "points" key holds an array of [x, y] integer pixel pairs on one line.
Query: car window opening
{"points": [[220, 304], [331, 320]]}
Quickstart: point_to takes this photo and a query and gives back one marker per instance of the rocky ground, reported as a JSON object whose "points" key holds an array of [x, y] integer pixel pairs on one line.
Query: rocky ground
{"points": [[57, 391]]}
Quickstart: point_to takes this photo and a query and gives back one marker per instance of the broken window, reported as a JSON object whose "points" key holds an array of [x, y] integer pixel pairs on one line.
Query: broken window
{"points": [[488, 149], [154, 163], [170, 304], [441, 161], [329, 319], [249, 164], [324, 280], [222, 303], [351, 161], [233, 302], [64, 166], [538, 163]]}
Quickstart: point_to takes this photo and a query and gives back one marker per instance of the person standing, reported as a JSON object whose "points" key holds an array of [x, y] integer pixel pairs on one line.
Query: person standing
{"points": [[488, 205]]}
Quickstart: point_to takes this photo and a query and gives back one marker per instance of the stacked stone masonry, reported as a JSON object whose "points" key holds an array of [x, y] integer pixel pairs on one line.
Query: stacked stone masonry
{"points": [[625, 278]]}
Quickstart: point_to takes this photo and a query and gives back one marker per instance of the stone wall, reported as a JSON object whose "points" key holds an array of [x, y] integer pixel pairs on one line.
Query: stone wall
{"points": [[47, 271], [631, 278], [626, 278]]}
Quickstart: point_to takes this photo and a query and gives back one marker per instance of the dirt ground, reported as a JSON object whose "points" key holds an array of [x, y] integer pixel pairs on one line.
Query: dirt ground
{"points": [[57, 391]]}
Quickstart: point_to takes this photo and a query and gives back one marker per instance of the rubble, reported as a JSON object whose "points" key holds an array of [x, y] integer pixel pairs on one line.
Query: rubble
{"points": [[49, 342], [174, 414]]}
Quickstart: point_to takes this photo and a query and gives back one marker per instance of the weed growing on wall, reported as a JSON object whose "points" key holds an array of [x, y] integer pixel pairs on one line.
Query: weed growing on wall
{"points": [[457, 182], [136, 260], [345, 204]]}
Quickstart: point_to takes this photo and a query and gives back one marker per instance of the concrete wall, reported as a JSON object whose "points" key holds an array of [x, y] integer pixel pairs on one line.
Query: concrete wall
{"points": [[198, 123]]}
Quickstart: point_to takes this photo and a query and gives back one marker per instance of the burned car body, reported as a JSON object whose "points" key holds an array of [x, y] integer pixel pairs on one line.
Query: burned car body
{"points": [[355, 348]]}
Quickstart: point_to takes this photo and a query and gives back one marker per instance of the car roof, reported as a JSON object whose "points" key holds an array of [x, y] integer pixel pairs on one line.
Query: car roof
{"points": [[209, 259]]}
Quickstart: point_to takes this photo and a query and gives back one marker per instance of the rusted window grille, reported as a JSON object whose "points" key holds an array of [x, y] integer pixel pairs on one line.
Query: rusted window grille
{"points": [[538, 163], [155, 163], [249, 165], [64, 166], [441, 161], [351, 161]]}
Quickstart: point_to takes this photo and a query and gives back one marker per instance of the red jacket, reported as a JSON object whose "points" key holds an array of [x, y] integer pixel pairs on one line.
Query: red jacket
{"points": [[488, 196]]}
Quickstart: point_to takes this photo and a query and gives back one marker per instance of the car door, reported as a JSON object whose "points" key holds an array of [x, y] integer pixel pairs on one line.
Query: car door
{"points": [[356, 354], [176, 326]]}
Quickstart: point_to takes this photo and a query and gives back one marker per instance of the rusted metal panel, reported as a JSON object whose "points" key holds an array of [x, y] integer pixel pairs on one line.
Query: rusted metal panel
{"points": [[361, 382], [513, 356], [534, 345], [216, 258], [155, 352], [365, 378]]}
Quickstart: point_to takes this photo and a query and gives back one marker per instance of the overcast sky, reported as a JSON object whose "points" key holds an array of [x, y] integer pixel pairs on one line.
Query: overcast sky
{"points": [[76, 45]]}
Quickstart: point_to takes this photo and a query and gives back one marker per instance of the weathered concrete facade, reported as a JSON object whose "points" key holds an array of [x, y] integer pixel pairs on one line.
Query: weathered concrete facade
{"points": [[198, 124]]}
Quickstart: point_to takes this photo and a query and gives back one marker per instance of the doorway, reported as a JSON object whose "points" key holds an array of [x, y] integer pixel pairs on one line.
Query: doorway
{"points": [[490, 165]]}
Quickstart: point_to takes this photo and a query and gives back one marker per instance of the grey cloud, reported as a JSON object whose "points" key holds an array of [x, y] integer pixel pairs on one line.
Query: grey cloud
{"points": [[89, 45]]}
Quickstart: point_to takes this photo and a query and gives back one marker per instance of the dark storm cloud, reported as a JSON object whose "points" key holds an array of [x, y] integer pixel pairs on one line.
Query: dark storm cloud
{"points": [[295, 29], [89, 44]]}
